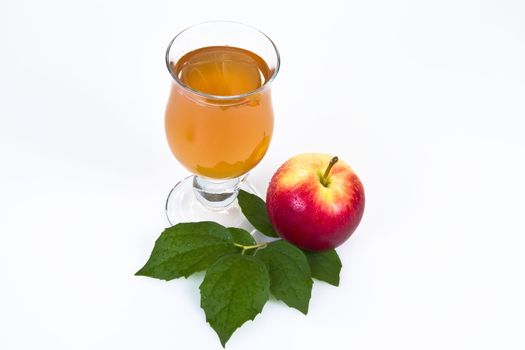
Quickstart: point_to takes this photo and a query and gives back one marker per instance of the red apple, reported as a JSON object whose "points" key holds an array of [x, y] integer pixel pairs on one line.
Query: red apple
{"points": [[315, 201]]}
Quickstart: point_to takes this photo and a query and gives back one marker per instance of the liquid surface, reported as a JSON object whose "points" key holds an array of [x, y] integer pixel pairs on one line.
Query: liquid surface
{"points": [[219, 138], [222, 70]]}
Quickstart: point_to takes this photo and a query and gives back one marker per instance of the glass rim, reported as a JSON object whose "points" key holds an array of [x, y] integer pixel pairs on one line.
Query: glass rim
{"points": [[223, 97]]}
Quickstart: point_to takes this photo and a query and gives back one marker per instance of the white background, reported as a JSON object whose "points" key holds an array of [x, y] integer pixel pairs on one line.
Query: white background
{"points": [[425, 99]]}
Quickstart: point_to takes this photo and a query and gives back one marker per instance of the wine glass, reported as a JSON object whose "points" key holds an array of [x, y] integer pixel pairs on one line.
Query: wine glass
{"points": [[219, 116]]}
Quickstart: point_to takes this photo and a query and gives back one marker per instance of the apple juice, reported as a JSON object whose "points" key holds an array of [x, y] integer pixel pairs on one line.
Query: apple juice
{"points": [[218, 123]]}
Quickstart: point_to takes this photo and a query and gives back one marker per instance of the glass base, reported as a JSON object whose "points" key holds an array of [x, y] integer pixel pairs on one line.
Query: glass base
{"points": [[197, 199]]}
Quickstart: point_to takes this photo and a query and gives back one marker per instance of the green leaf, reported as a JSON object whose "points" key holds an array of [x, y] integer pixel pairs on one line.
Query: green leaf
{"points": [[254, 209], [290, 275], [241, 236], [325, 265], [234, 291], [187, 248]]}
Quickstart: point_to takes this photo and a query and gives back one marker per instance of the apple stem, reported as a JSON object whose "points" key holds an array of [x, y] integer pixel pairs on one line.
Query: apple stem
{"points": [[327, 171]]}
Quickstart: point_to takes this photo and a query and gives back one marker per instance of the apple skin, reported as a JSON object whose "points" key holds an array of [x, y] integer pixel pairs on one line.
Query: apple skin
{"points": [[309, 214]]}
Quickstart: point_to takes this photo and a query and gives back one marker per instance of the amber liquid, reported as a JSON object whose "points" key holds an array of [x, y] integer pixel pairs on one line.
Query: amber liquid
{"points": [[219, 138]]}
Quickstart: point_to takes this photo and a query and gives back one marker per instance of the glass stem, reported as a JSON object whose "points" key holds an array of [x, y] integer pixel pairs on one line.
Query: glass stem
{"points": [[216, 194]]}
